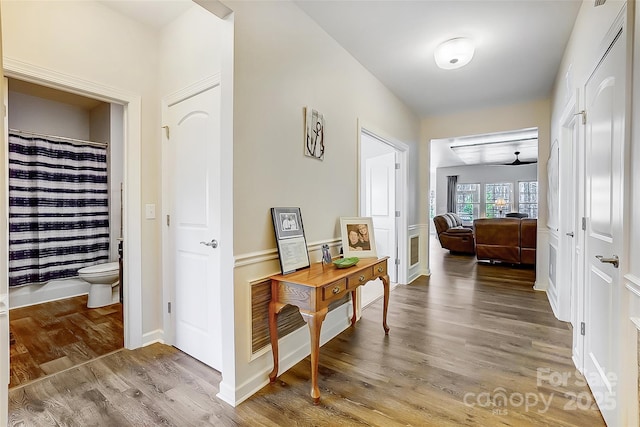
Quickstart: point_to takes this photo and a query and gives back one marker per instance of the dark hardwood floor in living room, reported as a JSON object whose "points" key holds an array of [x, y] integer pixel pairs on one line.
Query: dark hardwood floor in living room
{"points": [[473, 344], [54, 336]]}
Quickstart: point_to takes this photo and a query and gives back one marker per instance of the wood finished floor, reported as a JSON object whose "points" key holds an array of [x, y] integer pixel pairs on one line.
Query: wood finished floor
{"points": [[54, 336], [460, 341]]}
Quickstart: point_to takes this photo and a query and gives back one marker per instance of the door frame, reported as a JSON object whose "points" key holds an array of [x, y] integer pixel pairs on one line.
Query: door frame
{"points": [[401, 150], [132, 228], [566, 283], [168, 264], [572, 192]]}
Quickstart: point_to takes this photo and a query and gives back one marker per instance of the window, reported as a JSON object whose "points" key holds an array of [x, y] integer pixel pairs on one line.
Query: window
{"points": [[468, 201], [528, 198], [494, 192]]}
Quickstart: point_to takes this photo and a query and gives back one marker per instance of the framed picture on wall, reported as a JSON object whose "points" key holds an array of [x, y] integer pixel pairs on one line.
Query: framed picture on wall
{"points": [[292, 245], [357, 237]]}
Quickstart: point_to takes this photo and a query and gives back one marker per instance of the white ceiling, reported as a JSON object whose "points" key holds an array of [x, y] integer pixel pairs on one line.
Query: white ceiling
{"points": [[519, 45], [488, 149]]}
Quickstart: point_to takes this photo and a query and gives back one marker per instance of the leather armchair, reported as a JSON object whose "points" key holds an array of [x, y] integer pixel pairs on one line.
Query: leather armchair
{"points": [[453, 235]]}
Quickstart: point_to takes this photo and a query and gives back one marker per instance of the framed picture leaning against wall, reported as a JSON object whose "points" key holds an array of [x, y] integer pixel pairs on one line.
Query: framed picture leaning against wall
{"points": [[357, 237], [290, 239]]}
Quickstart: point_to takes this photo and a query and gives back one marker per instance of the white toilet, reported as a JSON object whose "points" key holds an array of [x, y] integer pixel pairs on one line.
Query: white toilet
{"points": [[104, 282]]}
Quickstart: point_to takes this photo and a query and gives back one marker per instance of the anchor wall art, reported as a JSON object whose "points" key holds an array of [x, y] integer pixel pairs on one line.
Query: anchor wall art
{"points": [[313, 134]]}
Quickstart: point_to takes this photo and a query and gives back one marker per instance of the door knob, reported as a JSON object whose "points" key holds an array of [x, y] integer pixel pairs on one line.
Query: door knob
{"points": [[613, 260], [213, 243], [570, 234]]}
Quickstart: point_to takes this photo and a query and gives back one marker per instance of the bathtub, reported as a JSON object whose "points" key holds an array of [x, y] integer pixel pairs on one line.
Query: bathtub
{"points": [[51, 291]]}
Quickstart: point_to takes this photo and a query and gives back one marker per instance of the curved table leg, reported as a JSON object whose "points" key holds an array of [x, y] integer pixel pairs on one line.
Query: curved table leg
{"points": [[314, 320], [353, 299], [385, 284], [274, 309]]}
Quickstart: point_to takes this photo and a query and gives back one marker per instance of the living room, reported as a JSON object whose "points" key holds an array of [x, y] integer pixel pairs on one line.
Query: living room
{"points": [[479, 180]]}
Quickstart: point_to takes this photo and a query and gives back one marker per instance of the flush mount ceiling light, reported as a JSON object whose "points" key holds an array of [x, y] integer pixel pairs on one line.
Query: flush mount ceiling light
{"points": [[454, 53]]}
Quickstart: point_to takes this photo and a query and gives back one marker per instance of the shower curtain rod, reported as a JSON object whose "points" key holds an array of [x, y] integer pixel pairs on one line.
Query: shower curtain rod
{"points": [[64, 138]]}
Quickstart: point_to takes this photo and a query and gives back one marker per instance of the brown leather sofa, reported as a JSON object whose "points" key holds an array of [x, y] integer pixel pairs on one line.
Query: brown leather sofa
{"points": [[528, 239], [453, 235], [511, 240]]}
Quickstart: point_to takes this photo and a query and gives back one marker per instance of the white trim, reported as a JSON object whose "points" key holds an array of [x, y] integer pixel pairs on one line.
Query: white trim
{"points": [[542, 260], [272, 254], [227, 293], [633, 283], [14, 68], [402, 151], [552, 287], [191, 90], [422, 268], [153, 337], [132, 307]]}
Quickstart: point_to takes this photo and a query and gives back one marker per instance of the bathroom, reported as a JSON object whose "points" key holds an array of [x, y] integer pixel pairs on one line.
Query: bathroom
{"points": [[38, 111]]}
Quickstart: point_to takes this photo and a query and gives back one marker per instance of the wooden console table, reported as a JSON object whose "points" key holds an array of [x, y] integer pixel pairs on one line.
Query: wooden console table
{"points": [[312, 290]]}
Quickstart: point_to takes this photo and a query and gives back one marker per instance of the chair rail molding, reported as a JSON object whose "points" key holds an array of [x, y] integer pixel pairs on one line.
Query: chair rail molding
{"points": [[257, 257]]}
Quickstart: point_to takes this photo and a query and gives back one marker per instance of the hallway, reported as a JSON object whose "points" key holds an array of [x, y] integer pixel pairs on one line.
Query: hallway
{"points": [[472, 345]]}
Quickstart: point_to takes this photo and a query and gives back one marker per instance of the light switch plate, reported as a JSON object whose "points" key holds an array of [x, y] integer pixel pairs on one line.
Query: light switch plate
{"points": [[150, 211]]}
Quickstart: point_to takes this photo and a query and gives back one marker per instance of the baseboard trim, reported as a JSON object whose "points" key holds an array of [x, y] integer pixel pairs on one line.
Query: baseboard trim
{"points": [[539, 287], [153, 337]]}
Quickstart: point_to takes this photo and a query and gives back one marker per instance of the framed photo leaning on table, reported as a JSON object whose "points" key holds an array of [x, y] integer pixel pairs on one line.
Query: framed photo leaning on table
{"points": [[357, 237], [292, 245]]}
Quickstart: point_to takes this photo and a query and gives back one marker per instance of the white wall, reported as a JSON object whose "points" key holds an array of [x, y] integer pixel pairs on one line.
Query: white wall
{"points": [[284, 62], [190, 49], [483, 174], [107, 126], [34, 114]]}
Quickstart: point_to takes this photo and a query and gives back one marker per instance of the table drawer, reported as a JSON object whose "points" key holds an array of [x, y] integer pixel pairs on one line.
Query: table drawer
{"points": [[380, 269], [333, 290], [359, 278]]}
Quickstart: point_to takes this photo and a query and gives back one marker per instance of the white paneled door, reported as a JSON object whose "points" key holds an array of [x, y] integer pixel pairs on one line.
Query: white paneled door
{"points": [[604, 169], [194, 224], [380, 205]]}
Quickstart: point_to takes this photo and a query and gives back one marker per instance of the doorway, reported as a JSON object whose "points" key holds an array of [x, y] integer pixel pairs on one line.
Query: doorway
{"points": [[130, 111], [51, 327], [192, 186], [382, 199]]}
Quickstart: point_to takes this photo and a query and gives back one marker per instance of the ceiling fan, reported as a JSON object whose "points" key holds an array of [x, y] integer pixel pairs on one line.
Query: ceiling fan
{"points": [[517, 161]]}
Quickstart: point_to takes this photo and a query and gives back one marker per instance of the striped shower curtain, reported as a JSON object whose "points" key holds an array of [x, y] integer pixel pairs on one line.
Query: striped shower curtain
{"points": [[58, 208]]}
